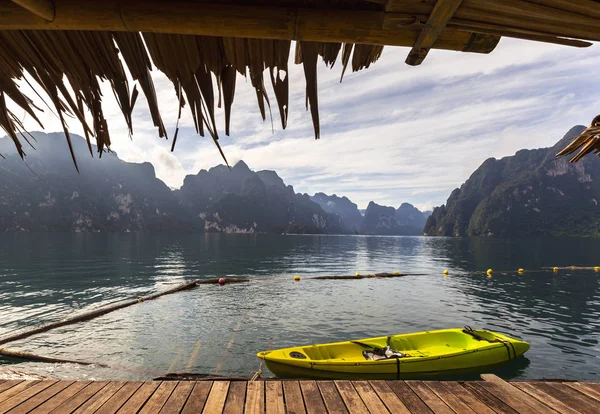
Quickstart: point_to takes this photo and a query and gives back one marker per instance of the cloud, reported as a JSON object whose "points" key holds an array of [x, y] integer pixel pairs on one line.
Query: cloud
{"points": [[392, 133]]}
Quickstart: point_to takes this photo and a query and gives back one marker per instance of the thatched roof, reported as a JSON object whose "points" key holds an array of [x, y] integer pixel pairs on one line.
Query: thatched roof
{"points": [[66, 48]]}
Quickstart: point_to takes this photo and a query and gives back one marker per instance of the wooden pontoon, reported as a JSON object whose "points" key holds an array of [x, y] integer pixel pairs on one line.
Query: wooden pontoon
{"points": [[64, 47]]}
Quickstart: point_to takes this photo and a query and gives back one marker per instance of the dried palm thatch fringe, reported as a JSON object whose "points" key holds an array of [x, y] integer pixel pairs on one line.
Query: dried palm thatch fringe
{"points": [[588, 141], [69, 66]]}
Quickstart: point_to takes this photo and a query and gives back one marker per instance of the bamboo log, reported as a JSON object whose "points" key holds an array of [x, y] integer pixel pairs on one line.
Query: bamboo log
{"points": [[395, 20], [559, 18], [15, 353], [42, 8], [583, 7], [436, 23], [474, 27], [367, 276], [110, 308], [230, 20], [526, 10], [551, 21]]}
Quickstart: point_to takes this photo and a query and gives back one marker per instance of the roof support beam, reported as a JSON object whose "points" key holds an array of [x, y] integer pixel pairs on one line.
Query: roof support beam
{"points": [[438, 19], [233, 20], [42, 8]]}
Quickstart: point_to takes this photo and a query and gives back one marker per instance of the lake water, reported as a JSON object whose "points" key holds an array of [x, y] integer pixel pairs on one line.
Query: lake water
{"points": [[218, 329]]}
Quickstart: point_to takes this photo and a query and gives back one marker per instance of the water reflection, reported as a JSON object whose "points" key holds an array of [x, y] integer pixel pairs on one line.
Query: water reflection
{"points": [[47, 277]]}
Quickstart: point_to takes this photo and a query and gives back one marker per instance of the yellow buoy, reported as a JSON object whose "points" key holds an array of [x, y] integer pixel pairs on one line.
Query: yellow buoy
{"points": [[556, 270], [357, 274], [396, 273], [446, 272], [296, 278], [597, 269], [521, 270], [489, 271]]}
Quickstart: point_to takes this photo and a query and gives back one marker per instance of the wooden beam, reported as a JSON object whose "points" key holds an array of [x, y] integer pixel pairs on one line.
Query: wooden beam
{"points": [[490, 29], [394, 20], [42, 8], [230, 20], [529, 16], [436, 23], [584, 7], [576, 19]]}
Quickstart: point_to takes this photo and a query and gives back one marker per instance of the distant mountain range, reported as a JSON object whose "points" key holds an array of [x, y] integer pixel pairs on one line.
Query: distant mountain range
{"points": [[46, 194], [530, 193]]}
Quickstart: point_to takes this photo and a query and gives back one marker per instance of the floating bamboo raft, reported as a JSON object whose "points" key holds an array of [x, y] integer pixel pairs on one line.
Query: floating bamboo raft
{"points": [[492, 395], [94, 313]]}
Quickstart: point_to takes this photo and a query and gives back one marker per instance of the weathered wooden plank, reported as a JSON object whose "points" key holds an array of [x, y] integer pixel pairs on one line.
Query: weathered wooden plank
{"points": [[216, 399], [40, 397], [159, 397], [449, 398], [586, 389], [468, 397], [235, 397], [115, 402], [81, 397], [369, 397], [389, 397], [312, 397], [569, 396], [24, 395], [331, 397], [5, 385], [197, 399], [139, 398], [408, 397], [545, 398], [351, 398], [61, 397], [274, 397], [522, 402], [432, 401], [178, 397], [98, 399], [17, 388], [255, 398], [436, 23], [488, 399], [294, 403]]}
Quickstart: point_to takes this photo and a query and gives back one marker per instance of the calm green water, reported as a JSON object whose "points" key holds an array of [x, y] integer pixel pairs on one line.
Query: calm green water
{"points": [[45, 277]]}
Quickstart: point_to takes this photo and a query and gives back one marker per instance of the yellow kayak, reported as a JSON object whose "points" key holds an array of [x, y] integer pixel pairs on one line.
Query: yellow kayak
{"points": [[415, 355]]}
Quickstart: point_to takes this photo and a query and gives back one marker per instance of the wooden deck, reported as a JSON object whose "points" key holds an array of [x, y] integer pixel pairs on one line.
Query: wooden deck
{"points": [[491, 395]]}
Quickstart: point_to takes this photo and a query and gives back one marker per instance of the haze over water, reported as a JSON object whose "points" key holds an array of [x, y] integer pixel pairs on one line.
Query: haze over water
{"points": [[219, 329]]}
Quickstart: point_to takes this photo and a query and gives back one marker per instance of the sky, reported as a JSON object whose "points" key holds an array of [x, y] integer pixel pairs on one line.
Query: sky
{"points": [[391, 133]]}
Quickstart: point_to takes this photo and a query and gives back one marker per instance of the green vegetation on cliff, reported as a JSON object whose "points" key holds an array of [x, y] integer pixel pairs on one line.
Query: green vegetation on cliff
{"points": [[529, 193]]}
